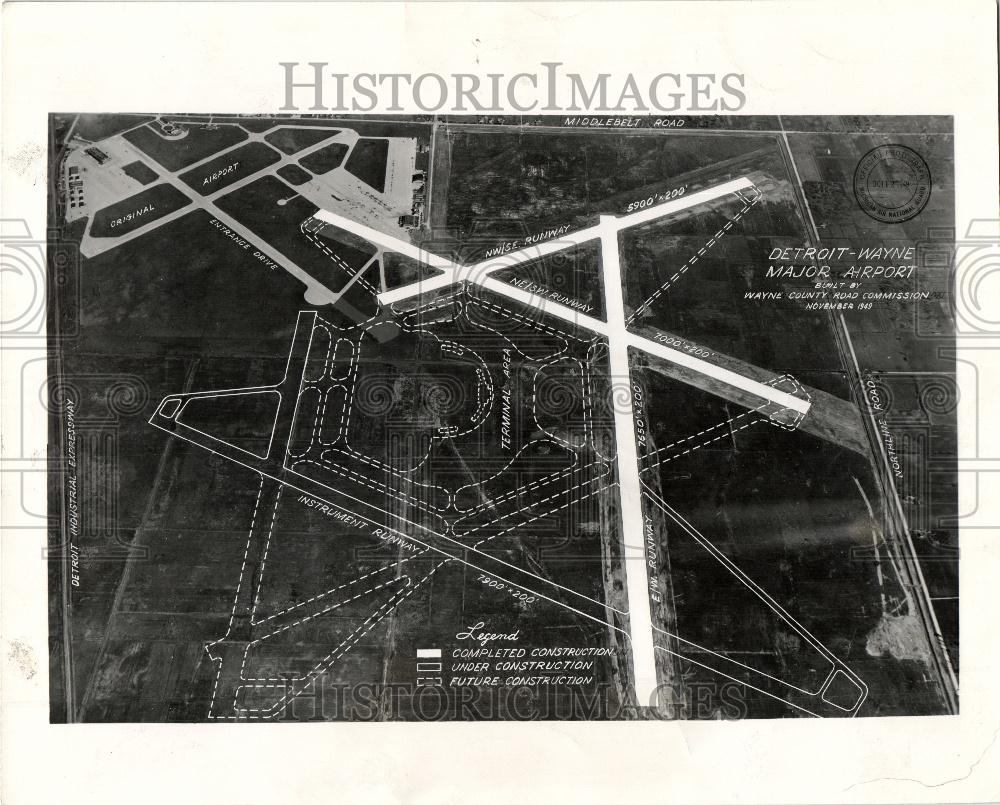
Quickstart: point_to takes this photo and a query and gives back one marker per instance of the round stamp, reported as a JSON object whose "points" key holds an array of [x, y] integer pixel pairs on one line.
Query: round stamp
{"points": [[892, 183]]}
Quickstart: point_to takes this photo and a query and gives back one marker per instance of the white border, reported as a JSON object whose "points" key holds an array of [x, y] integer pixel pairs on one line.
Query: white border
{"points": [[799, 58]]}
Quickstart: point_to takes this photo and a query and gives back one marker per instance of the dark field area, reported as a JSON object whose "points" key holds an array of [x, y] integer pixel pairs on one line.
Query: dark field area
{"points": [[573, 273], [368, 162], [275, 213], [209, 300], [293, 174], [140, 171], [162, 199], [200, 141], [705, 302], [291, 140], [401, 270], [790, 511], [325, 159], [149, 333], [551, 179], [244, 420], [149, 660], [231, 167]]}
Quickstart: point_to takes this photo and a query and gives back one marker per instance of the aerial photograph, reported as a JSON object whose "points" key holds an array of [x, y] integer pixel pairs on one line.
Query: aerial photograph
{"points": [[506, 418]]}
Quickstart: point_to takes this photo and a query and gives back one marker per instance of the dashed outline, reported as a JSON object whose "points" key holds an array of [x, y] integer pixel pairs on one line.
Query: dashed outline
{"points": [[700, 253]]}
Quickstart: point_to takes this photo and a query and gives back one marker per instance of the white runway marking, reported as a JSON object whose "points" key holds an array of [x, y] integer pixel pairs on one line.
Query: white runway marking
{"points": [[629, 485]]}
